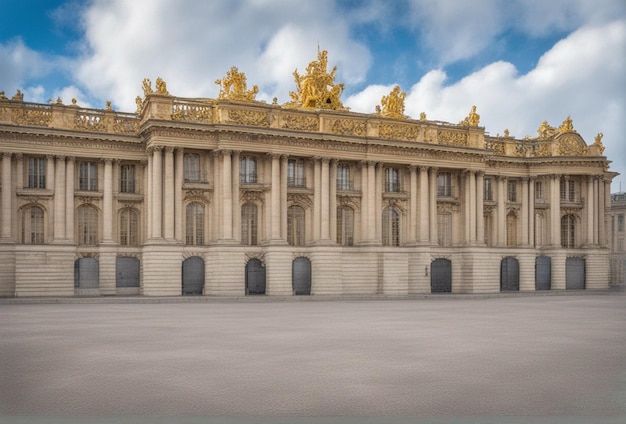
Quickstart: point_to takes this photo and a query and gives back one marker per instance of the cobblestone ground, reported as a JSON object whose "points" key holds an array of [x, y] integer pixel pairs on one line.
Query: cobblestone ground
{"points": [[533, 357]]}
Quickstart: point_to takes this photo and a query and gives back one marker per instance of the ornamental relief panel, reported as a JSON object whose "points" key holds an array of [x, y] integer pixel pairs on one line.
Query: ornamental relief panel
{"points": [[542, 150], [251, 196], [89, 122], [447, 207], [300, 199], [571, 145], [192, 113], [349, 201], [396, 203], [197, 195], [248, 117], [348, 127], [399, 132], [40, 118], [453, 138], [299, 122]]}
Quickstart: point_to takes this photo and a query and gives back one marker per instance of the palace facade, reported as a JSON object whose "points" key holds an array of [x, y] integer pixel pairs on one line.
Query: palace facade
{"points": [[233, 196], [617, 234]]}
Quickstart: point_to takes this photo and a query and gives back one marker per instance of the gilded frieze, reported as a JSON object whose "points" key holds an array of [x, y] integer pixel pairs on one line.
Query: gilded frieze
{"points": [[36, 117], [496, 146], [399, 132], [299, 122], [89, 122], [248, 117], [571, 145], [453, 138], [348, 127], [125, 125], [542, 150], [191, 113]]}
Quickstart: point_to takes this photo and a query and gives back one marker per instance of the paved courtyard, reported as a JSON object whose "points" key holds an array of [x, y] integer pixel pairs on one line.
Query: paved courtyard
{"points": [[534, 356]]}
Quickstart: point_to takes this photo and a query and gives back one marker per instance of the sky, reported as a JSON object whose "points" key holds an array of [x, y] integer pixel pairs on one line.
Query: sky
{"points": [[519, 61]]}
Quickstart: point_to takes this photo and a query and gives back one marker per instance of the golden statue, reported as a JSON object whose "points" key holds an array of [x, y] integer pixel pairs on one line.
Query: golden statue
{"points": [[147, 86], [393, 104], [74, 101], [567, 125], [109, 105], [472, 119], [546, 131], [2, 96], [234, 86], [161, 87], [59, 101], [139, 104], [507, 134], [423, 116], [316, 89], [18, 96], [598, 142]]}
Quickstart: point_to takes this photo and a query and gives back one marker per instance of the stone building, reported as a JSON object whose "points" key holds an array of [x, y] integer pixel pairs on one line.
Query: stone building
{"points": [[615, 223], [233, 196]]}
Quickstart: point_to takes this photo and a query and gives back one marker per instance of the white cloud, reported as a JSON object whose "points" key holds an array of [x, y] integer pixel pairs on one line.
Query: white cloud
{"points": [[18, 65]]}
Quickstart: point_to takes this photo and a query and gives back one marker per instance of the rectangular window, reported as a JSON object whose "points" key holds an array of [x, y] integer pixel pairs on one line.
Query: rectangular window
{"points": [[88, 176], [247, 170], [343, 177], [36, 172], [295, 173], [488, 189], [127, 178], [392, 180], [620, 222], [511, 191], [538, 192], [444, 229], [191, 167], [444, 184], [568, 190]]}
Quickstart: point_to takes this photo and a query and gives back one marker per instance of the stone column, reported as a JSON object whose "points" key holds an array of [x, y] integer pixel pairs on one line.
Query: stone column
{"points": [[555, 211], [69, 198], [371, 201], [275, 197], [168, 194], [604, 204], [467, 205], [524, 212], [378, 196], [107, 202], [501, 211], [157, 191], [6, 196], [531, 212], [317, 193], [227, 194], [480, 206], [50, 172], [590, 206], [472, 202], [284, 163], [179, 235], [424, 205], [364, 202], [432, 200], [19, 174], [148, 195], [412, 238], [59, 199], [332, 185], [324, 200], [235, 194], [218, 199]]}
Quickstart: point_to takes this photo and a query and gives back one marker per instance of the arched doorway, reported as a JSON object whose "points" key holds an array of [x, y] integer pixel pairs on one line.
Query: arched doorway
{"points": [[193, 276], [255, 277], [301, 276], [575, 273], [441, 276], [509, 274], [126, 272], [86, 273], [543, 273]]}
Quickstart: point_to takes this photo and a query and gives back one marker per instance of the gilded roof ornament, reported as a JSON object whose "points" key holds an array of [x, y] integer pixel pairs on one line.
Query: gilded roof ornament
{"points": [[423, 116], [316, 89], [567, 125], [18, 96], [3, 96], [234, 86], [472, 119], [393, 104], [161, 87], [598, 142], [146, 85], [139, 104]]}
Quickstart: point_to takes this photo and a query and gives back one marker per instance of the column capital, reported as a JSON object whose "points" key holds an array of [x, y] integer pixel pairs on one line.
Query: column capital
{"points": [[143, 162], [501, 178], [169, 149], [480, 173], [532, 178], [6, 154], [157, 148], [325, 160], [60, 157], [19, 157], [433, 170], [106, 161], [47, 156], [413, 168], [273, 155], [423, 168], [70, 158]]}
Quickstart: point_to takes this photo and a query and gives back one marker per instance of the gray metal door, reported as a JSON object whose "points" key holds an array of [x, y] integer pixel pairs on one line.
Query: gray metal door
{"points": [[255, 277], [126, 272], [543, 273], [509, 274], [193, 275], [441, 276], [86, 273], [301, 276], [575, 273]]}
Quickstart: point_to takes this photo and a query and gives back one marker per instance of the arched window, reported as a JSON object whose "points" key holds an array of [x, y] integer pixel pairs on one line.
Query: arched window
{"points": [[391, 227], [345, 226], [568, 227], [87, 219], [343, 177], [511, 230], [129, 224], [32, 225], [247, 170], [295, 225], [249, 222], [194, 231]]}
